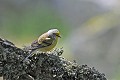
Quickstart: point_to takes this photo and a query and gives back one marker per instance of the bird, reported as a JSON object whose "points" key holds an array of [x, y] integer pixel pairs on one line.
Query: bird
{"points": [[46, 42]]}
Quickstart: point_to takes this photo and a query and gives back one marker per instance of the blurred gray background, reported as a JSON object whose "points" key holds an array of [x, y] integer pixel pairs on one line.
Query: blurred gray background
{"points": [[90, 29]]}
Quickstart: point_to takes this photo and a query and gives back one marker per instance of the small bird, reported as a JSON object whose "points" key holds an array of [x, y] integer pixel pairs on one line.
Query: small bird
{"points": [[45, 42]]}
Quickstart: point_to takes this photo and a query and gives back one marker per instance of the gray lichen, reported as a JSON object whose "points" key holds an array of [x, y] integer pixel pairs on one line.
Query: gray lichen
{"points": [[41, 66]]}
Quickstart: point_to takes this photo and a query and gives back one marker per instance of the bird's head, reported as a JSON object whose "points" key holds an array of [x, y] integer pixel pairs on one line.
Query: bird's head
{"points": [[54, 32]]}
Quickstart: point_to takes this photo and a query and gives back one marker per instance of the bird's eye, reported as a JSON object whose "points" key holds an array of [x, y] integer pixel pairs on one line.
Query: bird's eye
{"points": [[54, 34]]}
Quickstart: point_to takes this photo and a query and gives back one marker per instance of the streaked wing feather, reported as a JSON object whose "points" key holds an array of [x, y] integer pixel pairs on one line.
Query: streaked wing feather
{"points": [[35, 45], [45, 43]]}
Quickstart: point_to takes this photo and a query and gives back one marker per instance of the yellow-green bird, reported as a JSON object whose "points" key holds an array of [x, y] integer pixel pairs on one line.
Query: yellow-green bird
{"points": [[45, 42]]}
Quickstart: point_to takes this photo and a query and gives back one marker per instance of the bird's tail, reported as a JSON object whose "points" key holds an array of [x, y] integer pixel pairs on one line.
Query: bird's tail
{"points": [[30, 53], [29, 50]]}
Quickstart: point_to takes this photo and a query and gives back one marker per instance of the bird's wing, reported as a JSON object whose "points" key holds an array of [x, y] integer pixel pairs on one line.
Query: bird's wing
{"points": [[42, 38], [43, 41], [34, 45]]}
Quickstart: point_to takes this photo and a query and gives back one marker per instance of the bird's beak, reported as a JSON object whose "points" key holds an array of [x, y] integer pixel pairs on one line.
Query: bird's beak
{"points": [[58, 36]]}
